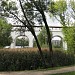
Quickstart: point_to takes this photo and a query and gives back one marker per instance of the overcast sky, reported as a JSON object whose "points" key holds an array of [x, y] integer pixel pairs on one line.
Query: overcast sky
{"points": [[50, 21]]}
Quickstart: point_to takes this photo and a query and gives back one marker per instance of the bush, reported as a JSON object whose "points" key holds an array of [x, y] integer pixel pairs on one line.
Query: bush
{"points": [[61, 58], [28, 60]]}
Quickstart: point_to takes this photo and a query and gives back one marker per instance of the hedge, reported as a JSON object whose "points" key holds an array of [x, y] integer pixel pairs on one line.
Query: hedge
{"points": [[16, 60]]}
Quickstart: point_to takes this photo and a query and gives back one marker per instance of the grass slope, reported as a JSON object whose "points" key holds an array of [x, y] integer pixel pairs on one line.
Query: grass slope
{"points": [[68, 73]]}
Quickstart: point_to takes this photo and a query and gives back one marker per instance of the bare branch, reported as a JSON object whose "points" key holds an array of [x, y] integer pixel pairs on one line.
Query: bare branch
{"points": [[30, 26], [16, 17]]}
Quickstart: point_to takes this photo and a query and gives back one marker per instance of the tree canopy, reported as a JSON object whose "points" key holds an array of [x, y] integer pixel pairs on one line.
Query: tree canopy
{"points": [[5, 30], [26, 13], [42, 37], [65, 14]]}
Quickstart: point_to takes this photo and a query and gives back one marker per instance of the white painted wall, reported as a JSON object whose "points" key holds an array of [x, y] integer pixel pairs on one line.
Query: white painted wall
{"points": [[55, 32]]}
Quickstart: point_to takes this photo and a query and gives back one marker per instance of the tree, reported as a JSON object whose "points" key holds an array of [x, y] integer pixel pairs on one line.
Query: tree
{"points": [[70, 38], [30, 9], [10, 8], [72, 6], [60, 11], [5, 30], [42, 37], [41, 6]]}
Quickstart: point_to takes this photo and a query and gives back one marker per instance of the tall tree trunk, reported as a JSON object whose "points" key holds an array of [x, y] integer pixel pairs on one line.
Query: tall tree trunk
{"points": [[49, 38], [39, 47], [29, 26], [40, 9]]}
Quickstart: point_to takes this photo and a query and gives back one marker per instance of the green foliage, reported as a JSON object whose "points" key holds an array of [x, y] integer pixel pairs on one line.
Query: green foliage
{"points": [[58, 7], [42, 37], [69, 36], [12, 60], [34, 44], [72, 3], [5, 30], [22, 42], [57, 45], [58, 10], [72, 6], [4, 3], [68, 73], [8, 5]]}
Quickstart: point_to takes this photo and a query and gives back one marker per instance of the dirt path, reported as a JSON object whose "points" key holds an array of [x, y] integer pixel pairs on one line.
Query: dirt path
{"points": [[67, 69]]}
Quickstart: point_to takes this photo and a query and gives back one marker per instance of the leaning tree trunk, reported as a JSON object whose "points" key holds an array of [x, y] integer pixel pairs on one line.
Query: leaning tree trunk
{"points": [[41, 10], [39, 48], [49, 38], [29, 26]]}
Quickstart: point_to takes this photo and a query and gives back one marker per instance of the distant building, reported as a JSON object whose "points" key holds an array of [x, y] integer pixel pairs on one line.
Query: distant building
{"points": [[57, 36]]}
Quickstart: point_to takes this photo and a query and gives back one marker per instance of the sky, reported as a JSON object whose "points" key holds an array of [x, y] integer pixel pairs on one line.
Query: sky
{"points": [[51, 21]]}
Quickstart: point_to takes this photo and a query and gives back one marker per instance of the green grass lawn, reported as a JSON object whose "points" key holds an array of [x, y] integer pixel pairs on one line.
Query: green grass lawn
{"points": [[54, 68], [68, 73]]}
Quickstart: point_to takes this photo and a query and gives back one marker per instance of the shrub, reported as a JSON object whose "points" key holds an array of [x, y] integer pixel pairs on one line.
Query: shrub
{"points": [[13, 60]]}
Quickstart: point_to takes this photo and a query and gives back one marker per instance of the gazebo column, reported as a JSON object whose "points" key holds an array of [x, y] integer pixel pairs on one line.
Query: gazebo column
{"points": [[13, 44], [64, 45], [31, 41], [13, 35]]}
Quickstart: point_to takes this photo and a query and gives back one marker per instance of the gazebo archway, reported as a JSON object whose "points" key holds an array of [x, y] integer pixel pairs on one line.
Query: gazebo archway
{"points": [[22, 41], [57, 41]]}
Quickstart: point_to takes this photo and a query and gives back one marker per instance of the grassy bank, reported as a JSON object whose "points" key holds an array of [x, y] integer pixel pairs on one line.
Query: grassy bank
{"points": [[68, 73]]}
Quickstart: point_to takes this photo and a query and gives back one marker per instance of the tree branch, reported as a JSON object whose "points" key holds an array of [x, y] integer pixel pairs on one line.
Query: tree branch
{"points": [[30, 26], [36, 6], [20, 20], [57, 19], [16, 17]]}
